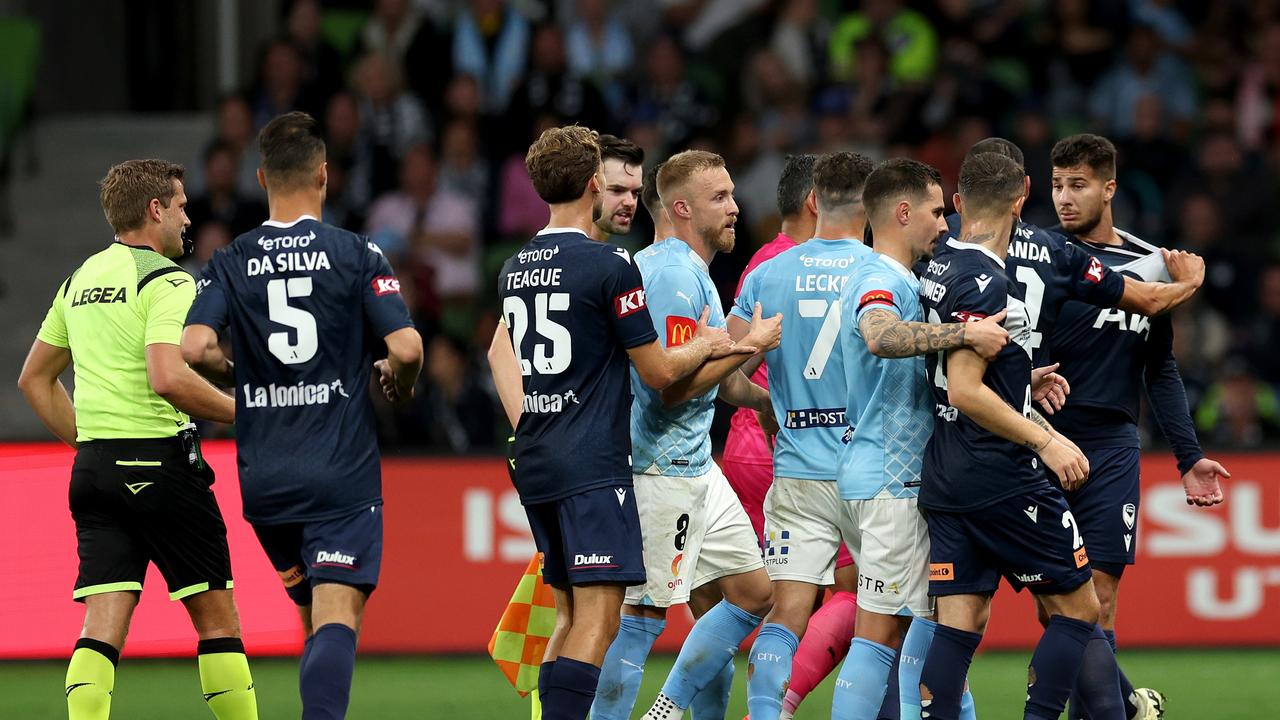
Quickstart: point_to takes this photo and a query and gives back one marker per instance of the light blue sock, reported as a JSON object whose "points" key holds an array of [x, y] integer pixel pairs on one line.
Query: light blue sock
{"points": [[712, 642], [967, 709], [624, 667], [713, 702], [770, 671], [915, 647], [863, 678]]}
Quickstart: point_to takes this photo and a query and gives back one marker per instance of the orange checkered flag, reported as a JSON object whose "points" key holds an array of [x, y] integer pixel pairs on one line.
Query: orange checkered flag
{"points": [[522, 633]]}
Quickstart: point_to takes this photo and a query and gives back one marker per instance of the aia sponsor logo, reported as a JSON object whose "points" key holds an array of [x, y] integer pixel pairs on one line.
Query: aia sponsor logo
{"points": [[386, 285], [629, 303], [680, 330], [1093, 273]]}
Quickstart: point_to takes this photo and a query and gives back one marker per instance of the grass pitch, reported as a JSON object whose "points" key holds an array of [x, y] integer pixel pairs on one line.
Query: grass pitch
{"points": [[1201, 685]]}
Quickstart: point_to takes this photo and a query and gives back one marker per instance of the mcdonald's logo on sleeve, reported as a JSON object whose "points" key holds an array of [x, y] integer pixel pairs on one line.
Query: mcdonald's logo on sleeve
{"points": [[680, 330]]}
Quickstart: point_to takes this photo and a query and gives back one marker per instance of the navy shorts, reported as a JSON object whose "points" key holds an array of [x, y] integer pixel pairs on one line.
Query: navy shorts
{"points": [[1031, 540], [346, 550], [591, 537], [1106, 508]]}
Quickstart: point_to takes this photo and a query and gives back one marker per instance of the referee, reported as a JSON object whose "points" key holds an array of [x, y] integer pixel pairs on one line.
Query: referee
{"points": [[139, 486]]}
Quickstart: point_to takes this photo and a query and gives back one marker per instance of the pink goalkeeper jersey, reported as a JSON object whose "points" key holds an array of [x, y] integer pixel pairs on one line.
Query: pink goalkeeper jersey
{"points": [[746, 443]]}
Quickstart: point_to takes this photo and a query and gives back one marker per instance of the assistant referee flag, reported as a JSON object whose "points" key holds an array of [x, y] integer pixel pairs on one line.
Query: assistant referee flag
{"points": [[522, 633]]}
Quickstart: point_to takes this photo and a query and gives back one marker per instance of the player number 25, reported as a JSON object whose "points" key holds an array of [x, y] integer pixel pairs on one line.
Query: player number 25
{"points": [[547, 362], [303, 323]]}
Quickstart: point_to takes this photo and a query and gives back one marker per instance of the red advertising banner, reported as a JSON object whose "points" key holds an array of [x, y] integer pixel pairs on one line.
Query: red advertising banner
{"points": [[457, 542]]}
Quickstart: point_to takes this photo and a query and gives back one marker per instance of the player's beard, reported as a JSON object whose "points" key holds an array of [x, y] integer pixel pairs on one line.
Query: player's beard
{"points": [[719, 238], [1084, 225], [597, 208], [612, 226]]}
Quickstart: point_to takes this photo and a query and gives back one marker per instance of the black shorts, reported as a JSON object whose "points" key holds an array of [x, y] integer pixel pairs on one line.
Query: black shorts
{"points": [[1107, 508], [346, 550], [141, 501], [591, 537], [1032, 540]]}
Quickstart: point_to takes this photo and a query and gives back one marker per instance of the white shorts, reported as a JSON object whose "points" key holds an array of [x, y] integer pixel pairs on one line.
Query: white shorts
{"points": [[889, 540], [695, 531], [803, 523]]}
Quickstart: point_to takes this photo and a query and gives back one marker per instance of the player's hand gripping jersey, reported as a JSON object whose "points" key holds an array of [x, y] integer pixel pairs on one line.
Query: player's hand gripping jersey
{"points": [[965, 466], [806, 370], [573, 307], [308, 305], [1050, 271], [1108, 355]]}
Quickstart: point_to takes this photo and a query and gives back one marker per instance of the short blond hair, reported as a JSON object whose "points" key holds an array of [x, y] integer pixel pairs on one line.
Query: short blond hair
{"points": [[561, 162], [678, 168], [128, 189]]}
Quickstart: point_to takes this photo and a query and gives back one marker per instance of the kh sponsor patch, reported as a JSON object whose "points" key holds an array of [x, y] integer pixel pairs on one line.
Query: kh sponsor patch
{"points": [[386, 285], [629, 302]]}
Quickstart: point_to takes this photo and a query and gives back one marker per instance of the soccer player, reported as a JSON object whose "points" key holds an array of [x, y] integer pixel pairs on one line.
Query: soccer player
{"points": [[574, 311], [748, 459], [1109, 355], [695, 531], [308, 306], [623, 176], [653, 204], [139, 486], [883, 340], [1052, 271], [991, 511], [802, 512]]}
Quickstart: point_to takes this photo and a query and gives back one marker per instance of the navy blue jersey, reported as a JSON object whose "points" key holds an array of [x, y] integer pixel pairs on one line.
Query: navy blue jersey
{"points": [[1108, 355], [1051, 271], [965, 466], [307, 305], [573, 307]]}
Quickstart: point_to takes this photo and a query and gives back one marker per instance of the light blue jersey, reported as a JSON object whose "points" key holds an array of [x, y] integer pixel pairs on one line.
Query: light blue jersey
{"points": [[889, 405], [806, 372], [673, 441]]}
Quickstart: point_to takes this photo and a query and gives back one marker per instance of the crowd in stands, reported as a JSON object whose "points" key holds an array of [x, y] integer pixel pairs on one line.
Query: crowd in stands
{"points": [[430, 105]]}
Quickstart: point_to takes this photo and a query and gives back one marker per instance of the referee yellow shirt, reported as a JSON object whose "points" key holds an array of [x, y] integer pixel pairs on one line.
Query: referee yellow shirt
{"points": [[120, 301]]}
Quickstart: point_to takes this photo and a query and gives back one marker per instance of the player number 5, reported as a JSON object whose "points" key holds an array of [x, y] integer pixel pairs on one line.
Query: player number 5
{"points": [[303, 323]]}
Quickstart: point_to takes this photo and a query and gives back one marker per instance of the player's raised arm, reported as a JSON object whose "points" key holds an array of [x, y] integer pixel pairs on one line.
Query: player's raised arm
{"points": [[967, 393], [1155, 298], [506, 374], [888, 336]]}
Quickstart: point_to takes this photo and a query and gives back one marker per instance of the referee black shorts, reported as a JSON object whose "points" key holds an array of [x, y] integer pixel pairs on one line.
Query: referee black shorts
{"points": [[141, 501]]}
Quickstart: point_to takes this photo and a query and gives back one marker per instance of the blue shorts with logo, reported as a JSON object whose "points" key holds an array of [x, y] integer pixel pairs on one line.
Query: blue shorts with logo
{"points": [[1031, 540], [1106, 507], [591, 537], [346, 550]]}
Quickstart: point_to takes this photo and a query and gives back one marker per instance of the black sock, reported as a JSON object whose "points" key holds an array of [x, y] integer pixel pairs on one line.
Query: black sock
{"points": [[571, 688], [326, 676], [1098, 684], [1126, 687], [544, 676], [945, 669], [1055, 666]]}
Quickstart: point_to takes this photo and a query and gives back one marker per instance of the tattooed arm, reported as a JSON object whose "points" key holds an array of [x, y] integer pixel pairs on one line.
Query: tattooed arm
{"points": [[888, 336]]}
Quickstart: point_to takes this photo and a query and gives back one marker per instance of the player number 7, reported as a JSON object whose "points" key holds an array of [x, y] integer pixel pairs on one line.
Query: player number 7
{"points": [[827, 334]]}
